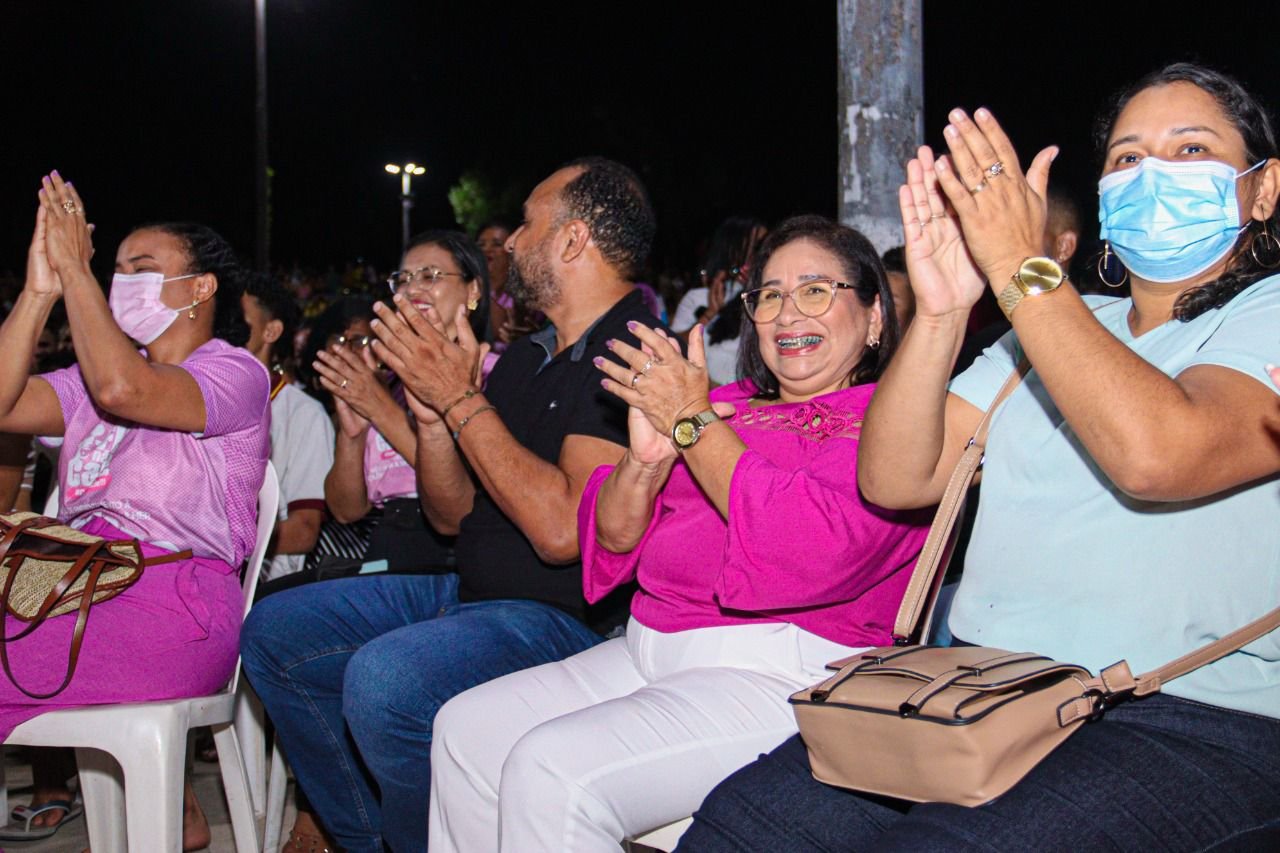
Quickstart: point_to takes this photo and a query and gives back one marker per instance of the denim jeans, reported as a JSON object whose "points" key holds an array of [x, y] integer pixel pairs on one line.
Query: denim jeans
{"points": [[352, 673], [1157, 774]]}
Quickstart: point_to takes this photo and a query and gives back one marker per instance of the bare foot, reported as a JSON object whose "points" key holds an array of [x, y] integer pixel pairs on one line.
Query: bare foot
{"points": [[307, 836], [195, 826]]}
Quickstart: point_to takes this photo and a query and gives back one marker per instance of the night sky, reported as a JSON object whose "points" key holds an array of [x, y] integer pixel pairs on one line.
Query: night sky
{"points": [[722, 107]]}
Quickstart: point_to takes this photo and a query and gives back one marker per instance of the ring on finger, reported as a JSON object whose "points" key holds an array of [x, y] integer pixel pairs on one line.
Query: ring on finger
{"points": [[978, 187], [635, 377], [70, 206], [995, 169], [937, 216], [648, 365], [344, 384]]}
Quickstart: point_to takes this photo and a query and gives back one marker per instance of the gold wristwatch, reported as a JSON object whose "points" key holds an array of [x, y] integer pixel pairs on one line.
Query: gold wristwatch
{"points": [[1034, 277], [687, 431]]}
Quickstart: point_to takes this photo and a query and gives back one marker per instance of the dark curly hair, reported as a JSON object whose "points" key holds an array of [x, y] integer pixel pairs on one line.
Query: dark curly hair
{"points": [[208, 252], [862, 269], [1251, 120], [613, 202], [471, 262]]}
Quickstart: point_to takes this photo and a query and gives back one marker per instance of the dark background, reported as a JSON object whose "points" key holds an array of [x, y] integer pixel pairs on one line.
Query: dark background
{"points": [[721, 106]]}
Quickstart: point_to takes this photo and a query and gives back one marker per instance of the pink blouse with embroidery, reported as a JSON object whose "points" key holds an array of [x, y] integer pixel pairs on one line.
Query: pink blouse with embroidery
{"points": [[800, 544]]}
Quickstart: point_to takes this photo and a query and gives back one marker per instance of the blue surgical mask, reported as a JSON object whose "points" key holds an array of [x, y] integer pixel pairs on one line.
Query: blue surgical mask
{"points": [[1170, 221]]}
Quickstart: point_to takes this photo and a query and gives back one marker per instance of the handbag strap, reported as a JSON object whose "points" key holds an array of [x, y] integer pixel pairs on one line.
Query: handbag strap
{"points": [[1115, 681], [922, 591]]}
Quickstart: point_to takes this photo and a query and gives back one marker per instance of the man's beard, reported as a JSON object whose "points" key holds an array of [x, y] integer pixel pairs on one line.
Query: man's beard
{"points": [[530, 280]]}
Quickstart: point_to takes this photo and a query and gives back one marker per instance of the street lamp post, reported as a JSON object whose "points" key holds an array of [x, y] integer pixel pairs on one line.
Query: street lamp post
{"points": [[407, 173]]}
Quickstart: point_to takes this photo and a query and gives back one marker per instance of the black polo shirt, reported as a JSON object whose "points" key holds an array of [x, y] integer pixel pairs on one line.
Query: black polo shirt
{"points": [[542, 398]]}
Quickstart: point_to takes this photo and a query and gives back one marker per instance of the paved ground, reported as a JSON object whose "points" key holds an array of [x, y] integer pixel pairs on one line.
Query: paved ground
{"points": [[72, 838]]}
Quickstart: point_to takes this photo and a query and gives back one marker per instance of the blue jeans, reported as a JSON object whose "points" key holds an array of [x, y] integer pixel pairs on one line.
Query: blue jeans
{"points": [[359, 667], [1157, 774]]}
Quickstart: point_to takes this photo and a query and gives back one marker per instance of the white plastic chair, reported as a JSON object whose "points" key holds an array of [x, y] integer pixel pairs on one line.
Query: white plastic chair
{"points": [[148, 740]]}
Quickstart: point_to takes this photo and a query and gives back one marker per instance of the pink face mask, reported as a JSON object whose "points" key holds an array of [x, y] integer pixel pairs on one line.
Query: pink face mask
{"points": [[136, 306]]}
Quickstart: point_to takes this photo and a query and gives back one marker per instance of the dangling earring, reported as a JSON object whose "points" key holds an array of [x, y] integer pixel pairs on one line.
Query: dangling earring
{"points": [[191, 315], [1271, 248], [1109, 263]]}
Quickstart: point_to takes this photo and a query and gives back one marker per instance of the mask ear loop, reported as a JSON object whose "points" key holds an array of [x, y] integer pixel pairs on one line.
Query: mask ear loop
{"points": [[1108, 262], [1270, 248]]}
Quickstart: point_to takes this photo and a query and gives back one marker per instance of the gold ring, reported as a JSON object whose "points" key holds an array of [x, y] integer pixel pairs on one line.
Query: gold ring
{"points": [[70, 206], [996, 168], [635, 377], [937, 216]]}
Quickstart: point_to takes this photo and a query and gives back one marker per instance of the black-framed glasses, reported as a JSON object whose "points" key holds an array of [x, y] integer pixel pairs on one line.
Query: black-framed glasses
{"points": [[427, 275], [812, 299]]}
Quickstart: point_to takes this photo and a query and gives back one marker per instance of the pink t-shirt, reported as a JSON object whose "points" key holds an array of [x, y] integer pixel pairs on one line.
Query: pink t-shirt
{"points": [[173, 489], [800, 544], [387, 475]]}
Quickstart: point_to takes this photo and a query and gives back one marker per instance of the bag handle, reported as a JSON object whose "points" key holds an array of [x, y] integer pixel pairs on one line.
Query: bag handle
{"points": [[922, 591]]}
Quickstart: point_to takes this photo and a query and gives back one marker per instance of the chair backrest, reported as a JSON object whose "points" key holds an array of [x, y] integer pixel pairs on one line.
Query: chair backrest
{"points": [[268, 507]]}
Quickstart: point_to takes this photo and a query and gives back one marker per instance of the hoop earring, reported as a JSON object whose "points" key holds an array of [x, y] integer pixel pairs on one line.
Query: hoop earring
{"points": [[1271, 248], [1108, 263]]}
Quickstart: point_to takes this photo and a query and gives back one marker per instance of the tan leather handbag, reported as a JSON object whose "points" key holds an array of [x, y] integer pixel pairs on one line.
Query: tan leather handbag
{"points": [[48, 569], [963, 724]]}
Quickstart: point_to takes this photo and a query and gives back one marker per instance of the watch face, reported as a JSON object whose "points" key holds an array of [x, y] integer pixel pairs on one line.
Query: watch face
{"points": [[685, 432], [1040, 274]]}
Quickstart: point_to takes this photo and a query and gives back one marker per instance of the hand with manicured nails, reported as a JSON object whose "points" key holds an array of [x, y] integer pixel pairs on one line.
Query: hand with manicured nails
{"points": [[943, 275], [1003, 221], [68, 236], [669, 386]]}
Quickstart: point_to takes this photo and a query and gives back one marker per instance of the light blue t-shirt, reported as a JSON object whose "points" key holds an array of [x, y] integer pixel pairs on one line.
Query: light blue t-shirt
{"points": [[1062, 563]]}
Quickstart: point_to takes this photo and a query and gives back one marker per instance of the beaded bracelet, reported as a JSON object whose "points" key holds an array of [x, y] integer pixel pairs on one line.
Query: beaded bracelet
{"points": [[471, 392], [480, 411]]}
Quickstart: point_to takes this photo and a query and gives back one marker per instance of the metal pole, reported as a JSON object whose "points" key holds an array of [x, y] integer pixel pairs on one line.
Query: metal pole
{"points": [[261, 185], [406, 204]]}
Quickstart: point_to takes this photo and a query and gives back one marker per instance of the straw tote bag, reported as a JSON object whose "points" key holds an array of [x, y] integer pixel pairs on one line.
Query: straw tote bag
{"points": [[48, 569], [962, 725]]}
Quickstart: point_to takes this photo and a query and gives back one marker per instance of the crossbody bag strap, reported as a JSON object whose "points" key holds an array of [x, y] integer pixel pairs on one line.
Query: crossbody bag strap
{"points": [[940, 543]]}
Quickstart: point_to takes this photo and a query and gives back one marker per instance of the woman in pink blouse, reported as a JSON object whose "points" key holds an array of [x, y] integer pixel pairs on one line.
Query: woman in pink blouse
{"points": [[757, 560]]}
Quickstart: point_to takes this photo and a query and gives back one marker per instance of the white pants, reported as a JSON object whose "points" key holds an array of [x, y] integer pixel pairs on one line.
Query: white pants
{"points": [[615, 741]]}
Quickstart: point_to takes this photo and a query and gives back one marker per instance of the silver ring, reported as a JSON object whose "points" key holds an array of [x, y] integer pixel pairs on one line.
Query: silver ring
{"points": [[995, 169], [982, 185], [635, 377], [647, 366], [937, 216]]}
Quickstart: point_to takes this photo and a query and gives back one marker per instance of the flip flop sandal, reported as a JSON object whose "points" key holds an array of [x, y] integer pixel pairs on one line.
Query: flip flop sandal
{"points": [[71, 810]]}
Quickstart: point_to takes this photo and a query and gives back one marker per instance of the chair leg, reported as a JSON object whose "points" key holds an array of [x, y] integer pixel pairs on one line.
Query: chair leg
{"points": [[101, 785], [235, 782], [249, 724], [154, 764], [276, 787]]}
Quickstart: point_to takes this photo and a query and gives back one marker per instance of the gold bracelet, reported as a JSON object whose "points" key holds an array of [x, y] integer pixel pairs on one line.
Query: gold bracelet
{"points": [[480, 411], [471, 392]]}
